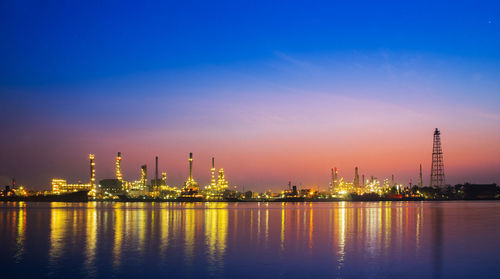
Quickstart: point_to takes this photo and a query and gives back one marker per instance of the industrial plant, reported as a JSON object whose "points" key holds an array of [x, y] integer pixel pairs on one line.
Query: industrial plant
{"points": [[143, 189], [218, 189]]}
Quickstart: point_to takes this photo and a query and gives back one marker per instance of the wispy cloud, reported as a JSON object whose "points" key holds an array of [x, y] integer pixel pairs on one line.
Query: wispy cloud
{"points": [[293, 60]]}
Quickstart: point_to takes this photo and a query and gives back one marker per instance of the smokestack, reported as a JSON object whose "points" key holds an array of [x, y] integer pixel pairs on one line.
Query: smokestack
{"points": [[392, 181], [119, 175], [213, 181], [289, 184], [190, 166], [363, 182], [356, 177], [156, 171], [92, 169], [420, 182]]}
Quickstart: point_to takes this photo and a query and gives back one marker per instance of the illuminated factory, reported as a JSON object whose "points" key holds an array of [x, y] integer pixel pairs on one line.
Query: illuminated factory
{"points": [[215, 190], [340, 188], [133, 188], [113, 188], [191, 188], [218, 187], [60, 186]]}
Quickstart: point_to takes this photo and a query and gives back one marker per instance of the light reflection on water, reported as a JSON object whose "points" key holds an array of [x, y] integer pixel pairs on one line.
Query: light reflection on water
{"points": [[246, 240]]}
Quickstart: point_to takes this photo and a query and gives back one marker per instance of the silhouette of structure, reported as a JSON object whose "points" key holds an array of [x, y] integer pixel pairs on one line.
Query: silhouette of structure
{"points": [[420, 182], [437, 168], [356, 177]]}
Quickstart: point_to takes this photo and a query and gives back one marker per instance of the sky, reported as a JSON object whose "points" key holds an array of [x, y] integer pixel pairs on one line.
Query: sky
{"points": [[274, 90]]}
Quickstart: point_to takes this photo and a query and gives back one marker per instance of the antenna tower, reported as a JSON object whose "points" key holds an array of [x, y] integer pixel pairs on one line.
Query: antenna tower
{"points": [[437, 168]]}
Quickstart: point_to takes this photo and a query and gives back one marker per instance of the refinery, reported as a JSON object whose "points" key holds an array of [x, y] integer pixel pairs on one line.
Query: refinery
{"points": [[362, 188]]}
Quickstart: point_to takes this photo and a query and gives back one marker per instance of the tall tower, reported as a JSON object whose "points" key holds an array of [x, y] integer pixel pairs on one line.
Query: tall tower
{"points": [[119, 175], [335, 177], [363, 182], [356, 177], [144, 175], [420, 183], [213, 181], [156, 171], [190, 183], [437, 168], [332, 183], [392, 180], [190, 179], [92, 170]]}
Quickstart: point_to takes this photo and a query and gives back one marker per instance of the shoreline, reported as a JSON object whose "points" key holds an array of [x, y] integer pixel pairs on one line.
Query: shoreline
{"points": [[241, 201]]}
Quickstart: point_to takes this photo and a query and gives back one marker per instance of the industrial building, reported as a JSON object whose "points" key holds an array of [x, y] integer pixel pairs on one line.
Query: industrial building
{"points": [[111, 186], [60, 186]]}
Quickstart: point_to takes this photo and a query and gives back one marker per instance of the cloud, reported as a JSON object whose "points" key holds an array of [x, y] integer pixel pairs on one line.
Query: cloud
{"points": [[292, 60]]}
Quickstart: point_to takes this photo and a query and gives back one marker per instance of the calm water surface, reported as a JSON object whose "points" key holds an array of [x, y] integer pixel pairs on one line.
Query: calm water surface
{"points": [[251, 240]]}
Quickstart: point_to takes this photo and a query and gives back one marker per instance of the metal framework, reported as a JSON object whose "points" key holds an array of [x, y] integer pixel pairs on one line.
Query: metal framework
{"points": [[437, 168]]}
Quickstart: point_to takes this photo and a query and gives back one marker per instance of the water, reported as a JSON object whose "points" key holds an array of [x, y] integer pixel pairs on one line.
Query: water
{"points": [[250, 240]]}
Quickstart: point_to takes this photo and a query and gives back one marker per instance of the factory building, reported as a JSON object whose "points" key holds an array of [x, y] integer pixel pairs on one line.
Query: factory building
{"points": [[111, 186], [60, 186]]}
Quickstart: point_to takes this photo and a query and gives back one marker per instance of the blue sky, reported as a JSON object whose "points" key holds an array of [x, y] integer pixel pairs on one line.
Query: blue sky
{"points": [[55, 42], [239, 76]]}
